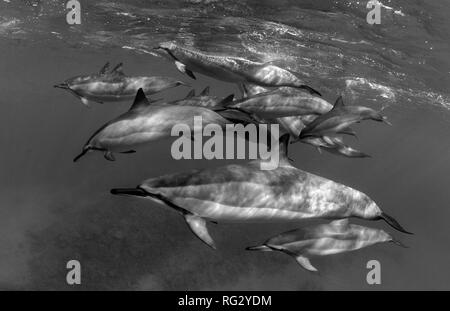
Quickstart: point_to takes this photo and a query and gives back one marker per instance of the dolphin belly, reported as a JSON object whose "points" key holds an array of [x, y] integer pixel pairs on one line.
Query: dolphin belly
{"points": [[235, 214]]}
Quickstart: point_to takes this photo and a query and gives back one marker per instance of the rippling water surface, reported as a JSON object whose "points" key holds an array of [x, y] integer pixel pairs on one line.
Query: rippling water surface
{"points": [[53, 210]]}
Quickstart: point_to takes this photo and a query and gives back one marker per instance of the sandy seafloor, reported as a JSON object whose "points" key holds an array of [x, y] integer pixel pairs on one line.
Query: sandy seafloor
{"points": [[53, 210]]}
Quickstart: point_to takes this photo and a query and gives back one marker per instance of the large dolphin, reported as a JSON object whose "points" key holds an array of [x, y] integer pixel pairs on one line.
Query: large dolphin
{"points": [[113, 85], [144, 123], [327, 239], [245, 193], [231, 69], [340, 118]]}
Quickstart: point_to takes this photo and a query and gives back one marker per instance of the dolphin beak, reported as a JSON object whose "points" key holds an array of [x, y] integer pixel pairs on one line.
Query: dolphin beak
{"points": [[63, 85], [85, 150], [137, 192]]}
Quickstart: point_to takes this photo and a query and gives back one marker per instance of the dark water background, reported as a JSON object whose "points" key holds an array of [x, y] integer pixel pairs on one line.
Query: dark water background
{"points": [[52, 210]]}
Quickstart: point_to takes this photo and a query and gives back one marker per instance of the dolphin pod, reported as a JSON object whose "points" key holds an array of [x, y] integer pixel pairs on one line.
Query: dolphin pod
{"points": [[113, 85], [231, 69], [335, 237], [244, 193]]}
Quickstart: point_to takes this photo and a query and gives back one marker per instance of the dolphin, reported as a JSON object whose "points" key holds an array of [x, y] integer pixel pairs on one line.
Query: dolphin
{"points": [[335, 237], [340, 118], [231, 69], [334, 145], [113, 85], [278, 103], [246, 194], [144, 123]]}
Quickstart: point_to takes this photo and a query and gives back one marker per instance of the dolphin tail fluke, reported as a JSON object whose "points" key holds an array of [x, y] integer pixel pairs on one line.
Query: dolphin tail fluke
{"points": [[263, 248], [135, 192], [305, 263], [198, 227], [393, 223], [310, 90]]}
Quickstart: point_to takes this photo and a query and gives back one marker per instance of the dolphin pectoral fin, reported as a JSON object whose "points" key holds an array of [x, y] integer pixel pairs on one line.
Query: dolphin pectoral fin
{"points": [[128, 151], [262, 248], [305, 263], [198, 227], [85, 102], [182, 68], [109, 156]]}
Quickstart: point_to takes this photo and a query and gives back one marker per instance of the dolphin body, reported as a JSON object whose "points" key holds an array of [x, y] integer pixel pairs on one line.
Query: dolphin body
{"points": [[279, 103], [231, 69], [321, 240], [144, 123], [340, 118], [113, 85], [334, 145], [246, 194]]}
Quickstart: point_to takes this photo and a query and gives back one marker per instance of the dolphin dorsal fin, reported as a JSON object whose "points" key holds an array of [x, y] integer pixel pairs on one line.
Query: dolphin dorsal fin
{"points": [[283, 149], [340, 222], [226, 101], [104, 69], [190, 94], [140, 100], [205, 92], [339, 103], [118, 70]]}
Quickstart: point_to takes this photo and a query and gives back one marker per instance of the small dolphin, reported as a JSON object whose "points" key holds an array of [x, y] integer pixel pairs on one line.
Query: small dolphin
{"points": [[113, 85], [231, 69], [321, 240], [340, 118], [334, 145], [144, 123], [246, 194]]}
